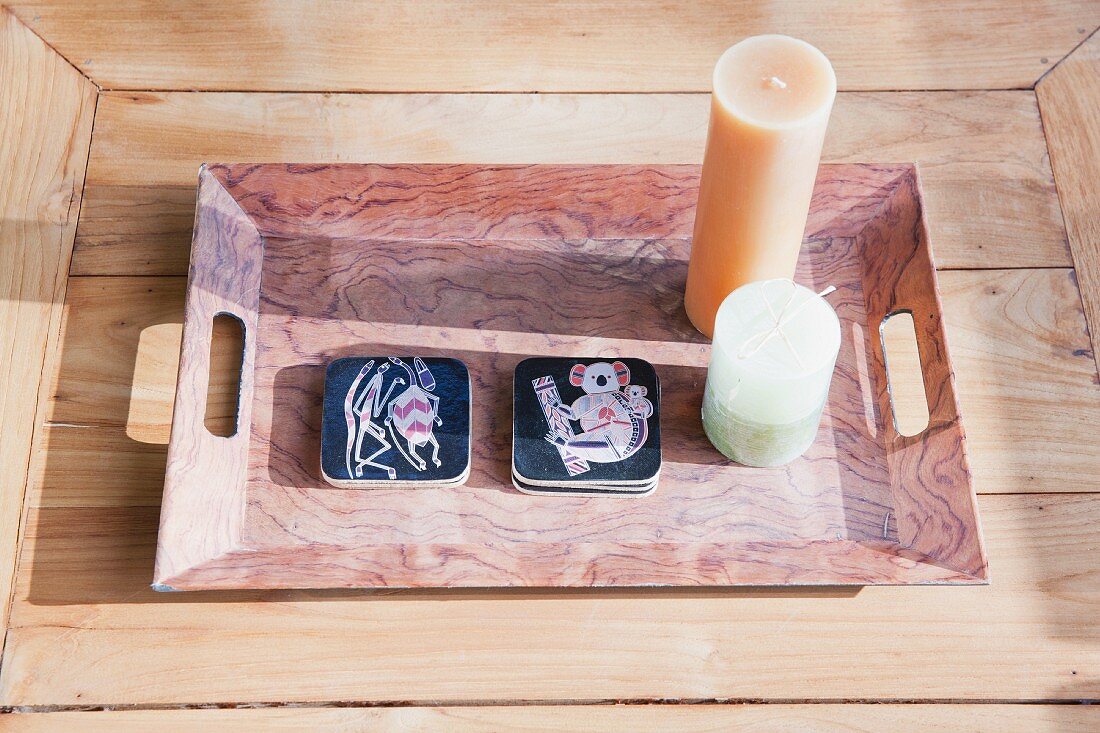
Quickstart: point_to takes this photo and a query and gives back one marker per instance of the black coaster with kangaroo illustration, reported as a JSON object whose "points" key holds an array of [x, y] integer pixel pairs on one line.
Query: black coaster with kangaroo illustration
{"points": [[586, 426], [391, 420]]}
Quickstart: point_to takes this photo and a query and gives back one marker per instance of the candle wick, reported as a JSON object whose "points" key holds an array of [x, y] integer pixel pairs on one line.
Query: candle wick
{"points": [[785, 316], [776, 83], [777, 329]]}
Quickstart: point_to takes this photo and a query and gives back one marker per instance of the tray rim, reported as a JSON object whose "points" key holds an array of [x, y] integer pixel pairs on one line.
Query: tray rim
{"points": [[186, 549]]}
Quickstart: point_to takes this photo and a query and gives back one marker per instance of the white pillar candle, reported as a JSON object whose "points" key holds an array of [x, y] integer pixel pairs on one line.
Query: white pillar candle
{"points": [[771, 362]]}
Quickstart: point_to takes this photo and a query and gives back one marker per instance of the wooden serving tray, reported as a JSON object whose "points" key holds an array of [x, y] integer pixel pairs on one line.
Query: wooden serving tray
{"points": [[491, 264]]}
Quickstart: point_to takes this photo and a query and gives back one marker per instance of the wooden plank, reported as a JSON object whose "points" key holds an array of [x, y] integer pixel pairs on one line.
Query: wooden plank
{"points": [[987, 182], [46, 110], [137, 322], [577, 718], [488, 45], [1030, 400], [1069, 98], [1022, 363], [1032, 634], [99, 465]]}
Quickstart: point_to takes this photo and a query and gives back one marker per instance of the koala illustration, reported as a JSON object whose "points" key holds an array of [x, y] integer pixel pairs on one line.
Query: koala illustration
{"points": [[612, 413], [600, 382], [638, 403]]}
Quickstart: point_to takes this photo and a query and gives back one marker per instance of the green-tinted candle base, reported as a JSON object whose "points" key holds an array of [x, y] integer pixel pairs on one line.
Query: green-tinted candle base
{"points": [[757, 444]]}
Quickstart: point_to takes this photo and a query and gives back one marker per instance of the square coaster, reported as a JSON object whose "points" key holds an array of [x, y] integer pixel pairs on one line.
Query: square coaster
{"points": [[583, 490], [395, 420], [584, 423]]}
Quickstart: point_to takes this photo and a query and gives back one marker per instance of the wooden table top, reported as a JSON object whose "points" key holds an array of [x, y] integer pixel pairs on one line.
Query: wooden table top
{"points": [[106, 113]]}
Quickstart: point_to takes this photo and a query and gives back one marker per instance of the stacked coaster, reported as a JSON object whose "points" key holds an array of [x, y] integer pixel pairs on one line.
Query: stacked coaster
{"points": [[586, 427], [392, 421]]}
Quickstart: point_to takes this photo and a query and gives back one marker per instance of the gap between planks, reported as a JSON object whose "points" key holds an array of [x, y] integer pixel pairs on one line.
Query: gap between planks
{"points": [[522, 92], [1060, 61], [49, 46], [538, 702]]}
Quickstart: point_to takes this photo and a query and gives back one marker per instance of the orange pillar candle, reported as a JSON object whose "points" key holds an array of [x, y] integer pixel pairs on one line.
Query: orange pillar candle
{"points": [[769, 108]]}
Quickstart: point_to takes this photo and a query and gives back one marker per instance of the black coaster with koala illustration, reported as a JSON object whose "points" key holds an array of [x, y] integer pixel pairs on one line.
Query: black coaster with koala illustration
{"points": [[389, 421], [588, 427]]}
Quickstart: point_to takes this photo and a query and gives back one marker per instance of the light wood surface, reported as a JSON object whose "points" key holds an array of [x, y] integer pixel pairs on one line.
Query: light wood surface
{"points": [[1069, 97], [983, 161], [1026, 380], [1031, 634], [46, 110], [85, 627], [601, 46], [579, 718]]}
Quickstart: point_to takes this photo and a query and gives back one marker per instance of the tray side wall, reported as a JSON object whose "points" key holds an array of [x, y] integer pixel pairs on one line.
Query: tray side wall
{"points": [[203, 506], [571, 565], [464, 201], [930, 472]]}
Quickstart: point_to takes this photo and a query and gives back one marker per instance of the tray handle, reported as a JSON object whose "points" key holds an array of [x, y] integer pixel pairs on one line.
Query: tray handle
{"points": [[935, 369], [218, 341], [896, 352], [899, 276]]}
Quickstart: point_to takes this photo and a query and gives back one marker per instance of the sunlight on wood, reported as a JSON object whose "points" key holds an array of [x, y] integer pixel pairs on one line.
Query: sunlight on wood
{"points": [[224, 386], [154, 382], [904, 374]]}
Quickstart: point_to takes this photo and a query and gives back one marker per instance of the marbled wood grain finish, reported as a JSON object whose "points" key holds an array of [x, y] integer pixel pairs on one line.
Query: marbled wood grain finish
{"points": [[203, 510], [516, 202], [491, 264], [929, 472]]}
